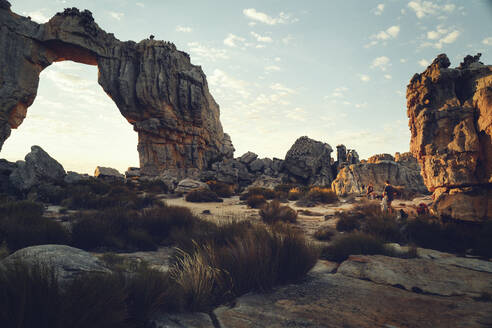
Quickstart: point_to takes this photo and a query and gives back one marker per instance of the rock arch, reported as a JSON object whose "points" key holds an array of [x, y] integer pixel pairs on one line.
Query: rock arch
{"points": [[155, 86]]}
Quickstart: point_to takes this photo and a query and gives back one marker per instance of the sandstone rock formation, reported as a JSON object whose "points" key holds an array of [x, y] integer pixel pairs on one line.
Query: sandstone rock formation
{"points": [[450, 119], [38, 167], [108, 173], [187, 185], [155, 86], [309, 162], [405, 173]]}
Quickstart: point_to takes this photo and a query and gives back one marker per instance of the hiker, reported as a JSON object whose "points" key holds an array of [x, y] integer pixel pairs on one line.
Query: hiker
{"points": [[370, 191], [388, 196]]}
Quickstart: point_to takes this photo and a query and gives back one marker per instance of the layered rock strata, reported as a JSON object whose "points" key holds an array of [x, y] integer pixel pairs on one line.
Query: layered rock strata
{"points": [[450, 119], [155, 86]]}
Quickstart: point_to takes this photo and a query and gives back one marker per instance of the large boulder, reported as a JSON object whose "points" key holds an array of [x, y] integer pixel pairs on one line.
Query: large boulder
{"points": [[38, 167], [155, 86], [247, 158], [67, 262], [187, 185], [74, 177], [108, 173], [309, 162], [355, 178], [450, 119]]}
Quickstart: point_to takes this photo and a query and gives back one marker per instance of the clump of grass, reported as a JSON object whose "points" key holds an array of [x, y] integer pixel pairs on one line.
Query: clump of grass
{"points": [[265, 192], [256, 201], [353, 244], [202, 196], [324, 233], [221, 189], [384, 227], [322, 195], [21, 208], [154, 186], [274, 212], [295, 194], [348, 222]]}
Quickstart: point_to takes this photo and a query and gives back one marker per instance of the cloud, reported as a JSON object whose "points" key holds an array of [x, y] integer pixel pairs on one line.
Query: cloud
{"points": [[232, 39], [388, 77], [424, 63], [449, 38], [390, 33], [296, 114], [115, 15], [222, 81], [38, 16], [364, 77], [440, 36], [429, 8], [260, 38], [272, 68], [287, 40], [487, 41], [140, 4], [184, 29], [382, 63], [379, 9], [403, 60], [261, 17], [362, 105], [204, 52], [283, 90]]}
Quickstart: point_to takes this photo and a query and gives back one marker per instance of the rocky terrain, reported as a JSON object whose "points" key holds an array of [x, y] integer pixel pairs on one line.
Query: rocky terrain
{"points": [[450, 119], [155, 86]]}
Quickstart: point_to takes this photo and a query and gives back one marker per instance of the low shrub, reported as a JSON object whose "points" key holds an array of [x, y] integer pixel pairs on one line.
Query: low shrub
{"points": [[21, 208], [383, 227], [322, 195], [221, 189], [273, 212], [324, 233], [295, 194], [256, 201], [284, 187], [265, 192], [348, 222], [154, 186], [202, 196], [353, 244]]}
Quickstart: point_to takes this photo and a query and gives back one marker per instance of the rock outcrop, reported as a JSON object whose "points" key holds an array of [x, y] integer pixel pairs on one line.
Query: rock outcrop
{"points": [[38, 167], [108, 174], [309, 162], [450, 119], [405, 172], [155, 86]]}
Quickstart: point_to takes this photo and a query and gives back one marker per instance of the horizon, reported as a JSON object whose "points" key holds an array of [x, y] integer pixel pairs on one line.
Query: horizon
{"points": [[267, 70]]}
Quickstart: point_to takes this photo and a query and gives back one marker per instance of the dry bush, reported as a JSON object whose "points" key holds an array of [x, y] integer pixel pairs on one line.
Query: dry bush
{"points": [[353, 244], [221, 189], [202, 196], [274, 212], [322, 195], [295, 194], [348, 222], [325, 233], [256, 201], [265, 192]]}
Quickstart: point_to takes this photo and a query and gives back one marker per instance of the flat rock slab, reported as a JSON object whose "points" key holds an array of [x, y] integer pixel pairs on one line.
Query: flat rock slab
{"points": [[419, 275], [182, 320], [335, 300]]}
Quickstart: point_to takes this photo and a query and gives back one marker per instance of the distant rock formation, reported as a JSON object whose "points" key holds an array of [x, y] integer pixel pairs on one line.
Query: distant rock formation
{"points": [[155, 86], [450, 119], [404, 172], [309, 162]]}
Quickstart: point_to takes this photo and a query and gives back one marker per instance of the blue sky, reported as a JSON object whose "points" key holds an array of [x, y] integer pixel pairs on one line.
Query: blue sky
{"points": [[335, 71]]}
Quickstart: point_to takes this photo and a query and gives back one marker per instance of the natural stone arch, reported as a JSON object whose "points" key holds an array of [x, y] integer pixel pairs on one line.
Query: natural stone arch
{"points": [[155, 86]]}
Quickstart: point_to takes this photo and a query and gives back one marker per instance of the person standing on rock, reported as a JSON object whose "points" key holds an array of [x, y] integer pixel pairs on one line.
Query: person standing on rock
{"points": [[388, 194]]}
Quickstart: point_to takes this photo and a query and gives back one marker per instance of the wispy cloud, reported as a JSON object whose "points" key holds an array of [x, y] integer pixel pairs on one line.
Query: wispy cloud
{"points": [[296, 114], [184, 29], [379, 9], [487, 41], [38, 16], [288, 39], [441, 36], [388, 76], [203, 52], [382, 63], [140, 4], [364, 77], [261, 38], [116, 15], [272, 68], [282, 89], [429, 8], [385, 35], [261, 17], [232, 40], [423, 62], [221, 80]]}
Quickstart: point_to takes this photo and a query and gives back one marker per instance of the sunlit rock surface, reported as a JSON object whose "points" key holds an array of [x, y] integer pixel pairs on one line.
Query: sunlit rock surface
{"points": [[155, 86], [450, 119]]}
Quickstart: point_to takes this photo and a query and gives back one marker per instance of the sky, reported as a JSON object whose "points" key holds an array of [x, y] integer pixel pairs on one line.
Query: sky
{"points": [[335, 71]]}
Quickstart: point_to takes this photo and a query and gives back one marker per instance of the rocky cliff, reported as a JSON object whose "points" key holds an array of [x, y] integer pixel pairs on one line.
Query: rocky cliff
{"points": [[155, 86], [450, 119]]}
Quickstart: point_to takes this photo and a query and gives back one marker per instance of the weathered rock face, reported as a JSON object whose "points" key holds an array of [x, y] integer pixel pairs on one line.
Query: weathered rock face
{"points": [[354, 178], [309, 162], [38, 167], [155, 86], [450, 119]]}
